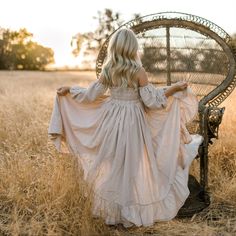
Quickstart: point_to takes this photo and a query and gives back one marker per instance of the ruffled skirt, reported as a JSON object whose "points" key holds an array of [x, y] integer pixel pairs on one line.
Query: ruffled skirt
{"points": [[137, 159]]}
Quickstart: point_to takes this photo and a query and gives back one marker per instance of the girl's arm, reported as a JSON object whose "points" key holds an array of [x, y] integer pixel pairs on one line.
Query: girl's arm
{"points": [[62, 91]]}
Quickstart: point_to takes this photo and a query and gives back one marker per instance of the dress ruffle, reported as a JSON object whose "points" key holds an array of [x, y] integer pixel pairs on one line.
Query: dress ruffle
{"points": [[145, 215]]}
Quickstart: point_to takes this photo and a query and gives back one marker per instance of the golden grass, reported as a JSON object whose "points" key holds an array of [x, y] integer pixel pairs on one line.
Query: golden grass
{"points": [[43, 192]]}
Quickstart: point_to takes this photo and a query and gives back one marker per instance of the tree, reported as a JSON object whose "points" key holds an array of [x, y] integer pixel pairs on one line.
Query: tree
{"points": [[88, 44], [18, 51], [108, 21]]}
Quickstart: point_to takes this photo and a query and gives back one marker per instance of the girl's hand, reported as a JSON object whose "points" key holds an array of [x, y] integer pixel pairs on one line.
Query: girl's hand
{"points": [[63, 91], [180, 86]]}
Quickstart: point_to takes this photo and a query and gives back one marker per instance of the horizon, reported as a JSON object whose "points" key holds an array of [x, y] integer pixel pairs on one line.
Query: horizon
{"points": [[54, 23]]}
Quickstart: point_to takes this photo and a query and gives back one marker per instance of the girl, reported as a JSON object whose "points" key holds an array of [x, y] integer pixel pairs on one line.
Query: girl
{"points": [[133, 145]]}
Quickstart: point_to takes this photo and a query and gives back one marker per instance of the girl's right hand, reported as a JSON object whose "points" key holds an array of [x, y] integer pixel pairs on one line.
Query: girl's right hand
{"points": [[63, 91]]}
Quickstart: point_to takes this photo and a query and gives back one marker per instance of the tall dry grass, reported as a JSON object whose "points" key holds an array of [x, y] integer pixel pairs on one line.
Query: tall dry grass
{"points": [[43, 192]]}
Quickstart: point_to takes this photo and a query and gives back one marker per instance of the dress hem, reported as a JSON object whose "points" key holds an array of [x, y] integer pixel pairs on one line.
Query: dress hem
{"points": [[127, 221]]}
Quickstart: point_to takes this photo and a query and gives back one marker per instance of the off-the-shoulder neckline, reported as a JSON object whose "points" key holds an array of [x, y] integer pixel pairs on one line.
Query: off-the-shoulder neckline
{"points": [[141, 87]]}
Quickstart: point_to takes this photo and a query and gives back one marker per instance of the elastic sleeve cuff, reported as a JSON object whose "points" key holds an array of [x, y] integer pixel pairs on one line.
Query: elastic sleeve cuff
{"points": [[162, 97], [75, 90]]}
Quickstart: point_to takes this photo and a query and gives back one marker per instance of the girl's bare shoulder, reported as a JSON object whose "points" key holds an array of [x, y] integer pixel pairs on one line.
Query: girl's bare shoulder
{"points": [[141, 77]]}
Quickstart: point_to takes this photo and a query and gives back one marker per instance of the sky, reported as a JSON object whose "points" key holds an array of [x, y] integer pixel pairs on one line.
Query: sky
{"points": [[54, 22]]}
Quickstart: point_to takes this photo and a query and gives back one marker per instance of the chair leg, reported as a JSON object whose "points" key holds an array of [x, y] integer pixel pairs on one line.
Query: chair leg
{"points": [[204, 150], [204, 165]]}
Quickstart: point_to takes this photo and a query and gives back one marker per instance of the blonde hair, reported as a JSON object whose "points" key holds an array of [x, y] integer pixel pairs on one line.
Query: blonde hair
{"points": [[122, 60]]}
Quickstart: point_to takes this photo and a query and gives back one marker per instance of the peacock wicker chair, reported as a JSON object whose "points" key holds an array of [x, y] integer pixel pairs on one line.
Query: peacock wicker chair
{"points": [[177, 46]]}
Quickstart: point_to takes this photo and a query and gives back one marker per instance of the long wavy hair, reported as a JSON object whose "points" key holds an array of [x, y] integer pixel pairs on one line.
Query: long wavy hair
{"points": [[122, 60]]}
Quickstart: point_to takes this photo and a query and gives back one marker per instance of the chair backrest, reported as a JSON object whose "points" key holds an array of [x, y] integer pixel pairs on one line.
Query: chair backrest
{"points": [[177, 46]]}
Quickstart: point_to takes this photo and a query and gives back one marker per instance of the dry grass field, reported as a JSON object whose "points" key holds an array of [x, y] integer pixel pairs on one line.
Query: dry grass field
{"points": [[43, 193]]}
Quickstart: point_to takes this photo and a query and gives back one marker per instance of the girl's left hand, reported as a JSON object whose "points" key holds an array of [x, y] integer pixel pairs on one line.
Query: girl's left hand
{"points": [[181, 85], [63, 90]]}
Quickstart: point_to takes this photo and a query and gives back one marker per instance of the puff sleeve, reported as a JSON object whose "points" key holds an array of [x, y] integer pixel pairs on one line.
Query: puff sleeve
{"points": [[87, 95], [152, 97]]}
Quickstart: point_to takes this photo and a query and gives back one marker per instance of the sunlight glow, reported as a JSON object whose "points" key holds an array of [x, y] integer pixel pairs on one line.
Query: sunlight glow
{"points": [[54, 23]]}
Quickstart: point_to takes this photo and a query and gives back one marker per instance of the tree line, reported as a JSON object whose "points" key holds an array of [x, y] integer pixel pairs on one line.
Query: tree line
{"points": [[19, 51]]}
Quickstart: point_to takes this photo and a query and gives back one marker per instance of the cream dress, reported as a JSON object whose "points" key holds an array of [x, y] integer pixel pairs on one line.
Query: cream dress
{"points": [[133, 146]]}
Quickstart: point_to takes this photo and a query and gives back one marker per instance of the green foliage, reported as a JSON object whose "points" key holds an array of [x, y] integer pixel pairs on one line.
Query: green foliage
{"points": [[18, 51]]}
